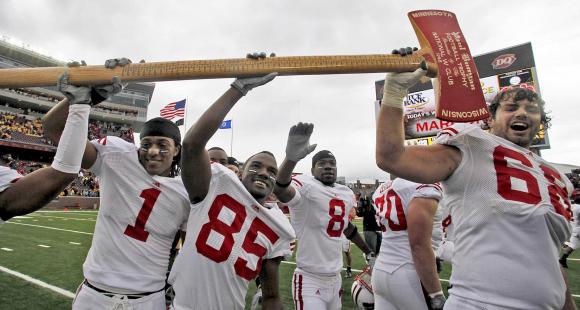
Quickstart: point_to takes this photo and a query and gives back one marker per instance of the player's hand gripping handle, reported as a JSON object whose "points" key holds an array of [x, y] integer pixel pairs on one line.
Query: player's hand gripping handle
{"points": [[398, 84], [244, 85]]}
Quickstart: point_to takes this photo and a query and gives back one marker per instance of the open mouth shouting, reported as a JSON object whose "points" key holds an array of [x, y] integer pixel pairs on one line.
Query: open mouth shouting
{"points": [[519, 126]]}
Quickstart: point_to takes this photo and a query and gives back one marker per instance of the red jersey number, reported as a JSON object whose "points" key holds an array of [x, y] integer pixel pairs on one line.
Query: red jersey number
{"points": [[334, 205], [505, 174], [138, 231], [380, 204], [393, 200], [249, 244]]}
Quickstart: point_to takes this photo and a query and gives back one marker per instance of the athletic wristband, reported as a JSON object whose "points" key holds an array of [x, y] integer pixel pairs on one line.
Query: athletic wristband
{"points": [[436, 294], [354, 232], [393, 98], [283, 185]]}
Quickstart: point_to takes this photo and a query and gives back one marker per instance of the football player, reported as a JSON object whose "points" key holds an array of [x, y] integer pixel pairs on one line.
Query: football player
{"points": [[218, 155], [346, 248], [572, 244], [444, 250], [501, 196], [233, 235], [21, 195], [405, 267], [319, 209], [143, 206]]}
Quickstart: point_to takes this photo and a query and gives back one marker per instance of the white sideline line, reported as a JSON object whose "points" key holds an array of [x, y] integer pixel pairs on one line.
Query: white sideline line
{"points": [[574, 259], [75, 243], [42, 284], [73, 231], [7, 249], [56, 211], [44, 246], [65, 218]]}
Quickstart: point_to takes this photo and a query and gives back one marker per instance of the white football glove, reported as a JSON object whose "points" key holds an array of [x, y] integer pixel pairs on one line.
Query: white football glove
{"points": [[100, 93], [437, 301], [371, 258], [114, 62], [244, 85], [397, 86], [74, 94], [298, 145], [257, 299]]}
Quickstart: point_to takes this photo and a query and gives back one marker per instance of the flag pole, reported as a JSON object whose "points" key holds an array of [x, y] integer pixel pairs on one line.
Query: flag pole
{"points": [[232, 138], [185, 114]]}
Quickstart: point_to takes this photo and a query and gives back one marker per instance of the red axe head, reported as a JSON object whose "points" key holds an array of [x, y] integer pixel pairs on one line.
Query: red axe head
{"points": [[457, 88]]}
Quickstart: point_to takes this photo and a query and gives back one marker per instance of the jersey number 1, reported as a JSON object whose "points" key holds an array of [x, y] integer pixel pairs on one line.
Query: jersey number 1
{"points": [[138, 231]]}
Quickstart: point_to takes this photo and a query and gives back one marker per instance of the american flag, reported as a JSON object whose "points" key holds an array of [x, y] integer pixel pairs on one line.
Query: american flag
{"points": [[172, 110]]}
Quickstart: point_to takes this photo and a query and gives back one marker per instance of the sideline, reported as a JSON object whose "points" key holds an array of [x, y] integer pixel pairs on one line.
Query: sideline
{"points": [[73, 231], [42, 284], [61, 217]]}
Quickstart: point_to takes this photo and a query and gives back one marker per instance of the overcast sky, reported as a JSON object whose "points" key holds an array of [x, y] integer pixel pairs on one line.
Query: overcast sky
{"points": [[340, 106]]}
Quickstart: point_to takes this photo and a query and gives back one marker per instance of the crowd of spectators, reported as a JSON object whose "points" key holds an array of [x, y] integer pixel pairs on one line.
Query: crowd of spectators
{"points": [[85, 184], [100, 129], [10, 123]]}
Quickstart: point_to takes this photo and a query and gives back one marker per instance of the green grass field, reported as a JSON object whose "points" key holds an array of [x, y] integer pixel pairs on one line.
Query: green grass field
{"points": [[51, 247]]}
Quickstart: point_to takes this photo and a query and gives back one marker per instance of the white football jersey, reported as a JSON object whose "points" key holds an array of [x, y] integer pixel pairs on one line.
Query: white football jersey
{"points": [[319, 214], [510, 211], [447, 222], [138, 219], [575, 217], [229, 235], [391, 201], [437, 233], [7, 177]]}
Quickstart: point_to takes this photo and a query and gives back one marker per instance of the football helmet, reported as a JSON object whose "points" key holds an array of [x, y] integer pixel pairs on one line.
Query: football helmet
{"points": [[362, 290]]}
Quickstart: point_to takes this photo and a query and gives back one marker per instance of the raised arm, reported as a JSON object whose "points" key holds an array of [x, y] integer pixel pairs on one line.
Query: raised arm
{"points": [[420, 226], [53, 122], [297, 148], [421, 164], [53, 125], [70, 124], [195, 164]]}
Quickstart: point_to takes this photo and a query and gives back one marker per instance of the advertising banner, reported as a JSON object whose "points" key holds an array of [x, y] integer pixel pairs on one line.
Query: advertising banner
{"points": [[500, 69]]}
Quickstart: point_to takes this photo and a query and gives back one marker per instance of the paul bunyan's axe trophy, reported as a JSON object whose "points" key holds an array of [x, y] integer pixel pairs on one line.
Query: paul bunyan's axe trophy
{"points": [[444, 53]]}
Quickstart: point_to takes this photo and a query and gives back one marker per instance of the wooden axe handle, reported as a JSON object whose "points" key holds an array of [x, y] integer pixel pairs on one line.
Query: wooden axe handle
{"points": [[212, 69]]}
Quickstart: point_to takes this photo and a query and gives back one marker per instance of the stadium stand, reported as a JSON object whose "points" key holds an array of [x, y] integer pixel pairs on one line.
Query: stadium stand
{"points": [[22, 145]]}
